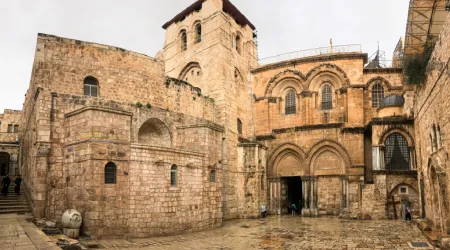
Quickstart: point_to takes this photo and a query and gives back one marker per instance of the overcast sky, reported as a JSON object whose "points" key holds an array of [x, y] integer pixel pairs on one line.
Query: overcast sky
{"points": [[283, 26]]}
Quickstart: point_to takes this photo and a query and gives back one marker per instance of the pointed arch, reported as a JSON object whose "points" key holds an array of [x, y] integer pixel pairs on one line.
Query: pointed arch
{"points": [[293, 76], [155, 133], [332, 150], [191, 73], [287, 160], [327, 73]]}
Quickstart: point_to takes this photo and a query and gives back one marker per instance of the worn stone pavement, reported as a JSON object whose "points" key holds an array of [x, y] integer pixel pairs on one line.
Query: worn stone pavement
{"points": [[18, 234], [284, 232]]}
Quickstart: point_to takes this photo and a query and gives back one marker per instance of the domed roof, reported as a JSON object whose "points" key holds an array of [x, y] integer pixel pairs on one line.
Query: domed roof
{"points": [[392, 100]]}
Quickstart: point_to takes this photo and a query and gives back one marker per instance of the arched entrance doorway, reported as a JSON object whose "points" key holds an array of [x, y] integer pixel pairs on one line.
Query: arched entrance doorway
{"points": [[4, 163], [285, 179]]}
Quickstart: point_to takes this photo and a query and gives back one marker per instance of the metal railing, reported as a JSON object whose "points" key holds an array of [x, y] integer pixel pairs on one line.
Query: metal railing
{"points": [[383, 64], [311, 52]]}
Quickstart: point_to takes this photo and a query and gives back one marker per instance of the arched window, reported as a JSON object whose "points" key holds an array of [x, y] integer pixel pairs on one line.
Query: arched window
{"points": [[173, 176], [396, 156], [290, 102], [198, 33], [90, 86], [238, 44], [183, 40], [212, 176], [377, 95], [435, 140], [327, 97], [239, 126], [110, 173]]}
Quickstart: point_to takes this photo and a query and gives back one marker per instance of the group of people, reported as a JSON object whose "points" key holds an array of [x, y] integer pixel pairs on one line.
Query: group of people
{"points": [[7, 181]]}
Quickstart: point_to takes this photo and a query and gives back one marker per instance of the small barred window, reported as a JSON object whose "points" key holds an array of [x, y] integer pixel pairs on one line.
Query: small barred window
{"points": [[327, 97], [290, 102], [110, 173], [212, 176], [377, 95]]}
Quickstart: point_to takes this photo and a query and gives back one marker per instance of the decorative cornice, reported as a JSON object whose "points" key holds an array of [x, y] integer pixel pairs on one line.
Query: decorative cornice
{"points": [[307, 127], [265, 137], [391, 120], [79, 111], [320, 58]]}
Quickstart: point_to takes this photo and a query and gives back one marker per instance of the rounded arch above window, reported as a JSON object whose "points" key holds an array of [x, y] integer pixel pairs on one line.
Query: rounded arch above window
{"points": [[155, 133], [90, 86]]}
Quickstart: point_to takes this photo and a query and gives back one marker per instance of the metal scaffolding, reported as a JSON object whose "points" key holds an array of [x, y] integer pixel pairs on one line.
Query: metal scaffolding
{"points": [[425, 21]]}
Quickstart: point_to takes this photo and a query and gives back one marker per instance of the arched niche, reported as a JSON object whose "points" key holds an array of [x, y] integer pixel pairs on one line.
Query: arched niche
{"points": [[287, 160], [155, 133], [192, 73]]}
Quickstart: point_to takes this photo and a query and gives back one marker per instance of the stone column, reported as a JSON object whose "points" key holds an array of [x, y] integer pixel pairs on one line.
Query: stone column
{"points": [[344, 192], [306, 196], [314, 196], [382, 166], [376, 158]]}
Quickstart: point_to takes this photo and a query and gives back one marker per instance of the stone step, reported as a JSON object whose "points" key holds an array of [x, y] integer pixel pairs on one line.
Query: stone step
{"points": [[15, 211], [13, 207], [8, 202]]}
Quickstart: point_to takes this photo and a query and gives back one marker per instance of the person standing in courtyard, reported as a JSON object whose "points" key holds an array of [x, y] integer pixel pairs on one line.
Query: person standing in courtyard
{"points": [[17, 181], [263, 211], [407, 213], [5, 185], [293, 208]]}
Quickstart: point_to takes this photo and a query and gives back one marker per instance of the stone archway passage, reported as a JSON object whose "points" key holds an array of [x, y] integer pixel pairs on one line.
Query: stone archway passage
{"points": [[4, 163]]}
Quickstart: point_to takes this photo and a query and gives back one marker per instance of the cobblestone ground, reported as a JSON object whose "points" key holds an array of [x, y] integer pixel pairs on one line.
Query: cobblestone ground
{"points": [[18, 234], [285, 232]]}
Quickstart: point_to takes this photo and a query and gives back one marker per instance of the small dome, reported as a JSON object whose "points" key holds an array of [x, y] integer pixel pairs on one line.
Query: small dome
{"points": [[392, 100]]}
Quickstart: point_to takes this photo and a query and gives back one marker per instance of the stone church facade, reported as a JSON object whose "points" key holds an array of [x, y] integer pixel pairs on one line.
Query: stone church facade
{"points": [[204, 133]]}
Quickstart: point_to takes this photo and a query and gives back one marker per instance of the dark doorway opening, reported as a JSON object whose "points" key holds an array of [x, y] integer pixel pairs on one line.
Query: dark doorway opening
{"points": [[4, 163], [295, 192]]}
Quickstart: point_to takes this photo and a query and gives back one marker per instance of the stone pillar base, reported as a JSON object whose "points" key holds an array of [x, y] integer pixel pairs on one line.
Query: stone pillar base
{"points": [[71, 233], [308, 212]]}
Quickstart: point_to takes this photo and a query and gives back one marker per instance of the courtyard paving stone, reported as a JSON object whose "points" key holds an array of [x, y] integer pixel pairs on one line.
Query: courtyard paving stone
{"points": [[16, 233], [285, 232]]}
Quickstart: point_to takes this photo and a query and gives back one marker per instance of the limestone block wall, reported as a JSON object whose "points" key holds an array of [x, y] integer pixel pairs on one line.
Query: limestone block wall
{"points": [[329, 195], [122, 75], [9, 117], [431, 112]]}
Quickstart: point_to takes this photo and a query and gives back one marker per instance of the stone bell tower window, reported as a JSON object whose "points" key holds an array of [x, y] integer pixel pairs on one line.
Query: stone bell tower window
{"points": [[183, 40], [198, 33]]}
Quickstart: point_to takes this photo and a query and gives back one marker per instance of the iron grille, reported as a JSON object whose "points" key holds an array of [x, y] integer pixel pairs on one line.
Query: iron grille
{"points": [[173, 176], [290, 103], [377, 95], [327, 97], [212, 176], [110, 173], [397, 152]]}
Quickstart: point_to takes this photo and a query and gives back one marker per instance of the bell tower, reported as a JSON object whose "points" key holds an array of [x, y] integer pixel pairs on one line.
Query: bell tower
{"points": [[210, 45]]}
